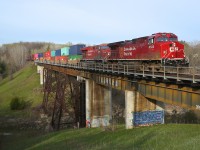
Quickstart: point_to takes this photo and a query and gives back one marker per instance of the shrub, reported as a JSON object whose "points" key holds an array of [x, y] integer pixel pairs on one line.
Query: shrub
{"points": [[17, 103]]}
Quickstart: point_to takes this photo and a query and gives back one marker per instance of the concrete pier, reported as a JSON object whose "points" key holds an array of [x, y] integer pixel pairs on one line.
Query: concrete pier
{"points": [[88, 99], [40, 70], [98, 104], [107, 105], [130, 97]]}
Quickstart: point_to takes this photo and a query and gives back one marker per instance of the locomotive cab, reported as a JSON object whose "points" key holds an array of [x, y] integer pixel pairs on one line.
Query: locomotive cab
{"points": [[171, 51]]}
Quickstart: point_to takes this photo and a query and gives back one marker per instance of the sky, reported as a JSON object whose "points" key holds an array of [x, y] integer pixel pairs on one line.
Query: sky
{"points": [[96, 21]]}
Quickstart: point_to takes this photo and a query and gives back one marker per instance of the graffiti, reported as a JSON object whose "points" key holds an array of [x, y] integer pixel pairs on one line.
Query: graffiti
{"points": [[148, 117], [100, 121]]}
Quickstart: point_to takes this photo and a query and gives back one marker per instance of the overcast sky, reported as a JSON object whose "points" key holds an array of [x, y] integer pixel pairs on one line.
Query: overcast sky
{"points": [[96, 21]]}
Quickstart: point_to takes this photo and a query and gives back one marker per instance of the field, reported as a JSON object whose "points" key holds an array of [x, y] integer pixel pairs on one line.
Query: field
{"points": [[170, 136]]}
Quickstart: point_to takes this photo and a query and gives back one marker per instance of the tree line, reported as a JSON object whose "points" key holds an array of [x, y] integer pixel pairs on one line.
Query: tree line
{"points": [[192, 51], [14, 56]]}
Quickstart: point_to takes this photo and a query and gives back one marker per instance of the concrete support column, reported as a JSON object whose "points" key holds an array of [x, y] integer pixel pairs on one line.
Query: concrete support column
{"points": [[130, 97], [88, 100], [108, 106], [40, 70], [98, 104]]}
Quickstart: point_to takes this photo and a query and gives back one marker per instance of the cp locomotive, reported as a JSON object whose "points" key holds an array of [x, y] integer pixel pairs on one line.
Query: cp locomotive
{"points": [[157, 49]]}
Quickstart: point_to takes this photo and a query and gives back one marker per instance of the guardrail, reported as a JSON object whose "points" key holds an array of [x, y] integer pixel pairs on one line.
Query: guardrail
{"points": [[166, 72]]}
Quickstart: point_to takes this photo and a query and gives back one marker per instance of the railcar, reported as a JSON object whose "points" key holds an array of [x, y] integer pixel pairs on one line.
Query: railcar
{"points": [[96, 53]]}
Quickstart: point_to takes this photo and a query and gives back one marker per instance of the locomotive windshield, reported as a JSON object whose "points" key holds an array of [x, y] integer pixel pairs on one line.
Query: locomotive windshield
{"points": [[173, 39], [162, 39]]}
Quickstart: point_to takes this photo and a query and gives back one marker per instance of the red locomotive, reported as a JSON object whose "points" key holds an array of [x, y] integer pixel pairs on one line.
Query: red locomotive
{"points": [[96, 53], [159, 48]]}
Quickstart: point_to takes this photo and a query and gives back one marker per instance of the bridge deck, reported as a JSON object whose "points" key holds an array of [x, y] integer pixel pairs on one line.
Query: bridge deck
{"points": [[191, 74]]}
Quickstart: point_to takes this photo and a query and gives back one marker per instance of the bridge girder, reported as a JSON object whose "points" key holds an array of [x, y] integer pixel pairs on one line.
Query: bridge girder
{"points": [[183, 95]]}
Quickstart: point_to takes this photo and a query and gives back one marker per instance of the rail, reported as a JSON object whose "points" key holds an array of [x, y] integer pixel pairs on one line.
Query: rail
{"points": [[166, 72]]}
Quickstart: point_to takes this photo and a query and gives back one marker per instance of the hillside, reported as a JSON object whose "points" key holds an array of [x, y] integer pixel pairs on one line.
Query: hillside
{"points": [[25, 84], [170, 136]]}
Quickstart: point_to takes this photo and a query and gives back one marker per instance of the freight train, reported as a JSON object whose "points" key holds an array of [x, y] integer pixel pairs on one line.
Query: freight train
{"points": [[156, 49]]}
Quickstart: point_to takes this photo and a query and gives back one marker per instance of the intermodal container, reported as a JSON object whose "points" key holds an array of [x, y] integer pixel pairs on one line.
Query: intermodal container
{"points": [[41, 59], [47, 54], [53, 60], [53, 53], [63, 59], [75, 57], [58, 52], [40, 55], [76, 49], [35, 57], [65, 51], [57, 59]]}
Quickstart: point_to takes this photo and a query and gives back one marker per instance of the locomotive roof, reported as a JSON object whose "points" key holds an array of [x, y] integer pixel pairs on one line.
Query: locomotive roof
{"points": [[116, 43], [163, 33], [123, 42], [140, 38]]}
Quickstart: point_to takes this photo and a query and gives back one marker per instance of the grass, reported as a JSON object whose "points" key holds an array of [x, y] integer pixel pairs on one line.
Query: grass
{"points": [[165, 137], [22, 85]]}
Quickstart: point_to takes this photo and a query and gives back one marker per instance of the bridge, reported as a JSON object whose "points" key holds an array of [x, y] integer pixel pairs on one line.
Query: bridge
{"points": [[89, 86]]}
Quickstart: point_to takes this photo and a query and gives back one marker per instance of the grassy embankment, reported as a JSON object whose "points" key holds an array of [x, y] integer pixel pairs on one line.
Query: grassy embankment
{"points": [[25, 83], [171, 136]]}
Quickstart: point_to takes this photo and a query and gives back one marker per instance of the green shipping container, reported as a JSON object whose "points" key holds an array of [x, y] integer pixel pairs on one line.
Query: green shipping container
{"points": [[75, 57], [53, 53], [65, 51]]}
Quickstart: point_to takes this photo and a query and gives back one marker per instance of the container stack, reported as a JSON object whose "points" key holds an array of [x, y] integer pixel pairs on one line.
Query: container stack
{"points": [[64, 55]]}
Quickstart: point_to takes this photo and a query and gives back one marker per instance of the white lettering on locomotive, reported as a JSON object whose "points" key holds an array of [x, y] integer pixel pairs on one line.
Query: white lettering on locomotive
{"points": [[173, 49], [129, 48], [127, 53]]}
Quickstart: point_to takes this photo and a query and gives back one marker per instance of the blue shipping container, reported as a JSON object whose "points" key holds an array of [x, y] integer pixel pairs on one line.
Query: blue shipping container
{"points": [[40, 55], [148, 117], [58, 52], [76, 49]]}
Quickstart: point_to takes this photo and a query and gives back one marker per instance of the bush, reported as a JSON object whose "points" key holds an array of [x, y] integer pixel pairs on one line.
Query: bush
{"points": [[17, 103]]}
